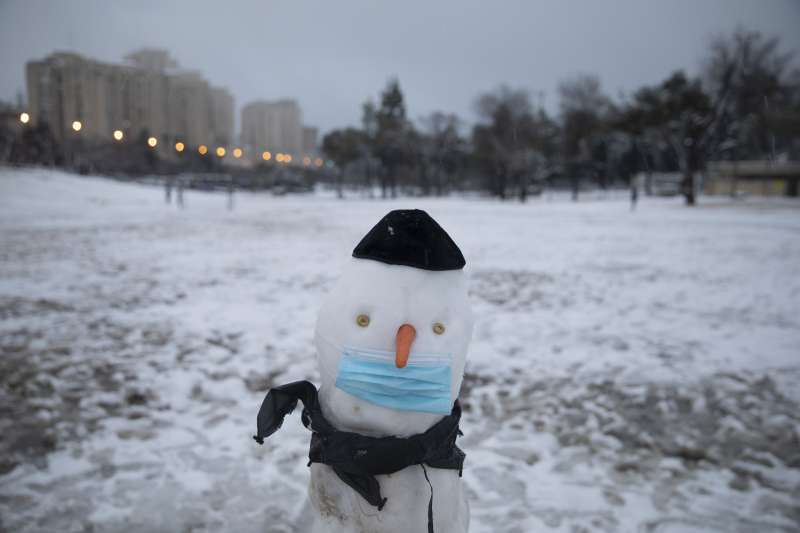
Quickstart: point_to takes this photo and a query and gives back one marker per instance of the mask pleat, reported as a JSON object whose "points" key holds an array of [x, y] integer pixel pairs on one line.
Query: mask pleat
{"points": [[405, 375], [392, 392]]}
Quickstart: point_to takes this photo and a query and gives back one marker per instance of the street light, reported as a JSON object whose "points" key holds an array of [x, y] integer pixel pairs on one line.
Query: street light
{"points": [[318, 162], [220, 151], [179, 146], [287, 158], [237, 153], [279, 157], [306, 161], [24, 118], [203, 149], [76, 125], [266, 156], [118, 135], [152, 142]]}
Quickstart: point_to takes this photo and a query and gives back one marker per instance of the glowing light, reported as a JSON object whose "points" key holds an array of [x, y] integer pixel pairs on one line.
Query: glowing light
{"points": [[24, 118], [76, 125], [237, 153], [152, 142], [318, 162], [266, 156], [220, 151], [179, 146], [287, 158], [203, 149], [118, 135], [279, 157], [306, 160]]}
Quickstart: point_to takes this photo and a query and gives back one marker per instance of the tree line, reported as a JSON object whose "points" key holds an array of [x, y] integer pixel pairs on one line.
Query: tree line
{"points": [[743, 104]]}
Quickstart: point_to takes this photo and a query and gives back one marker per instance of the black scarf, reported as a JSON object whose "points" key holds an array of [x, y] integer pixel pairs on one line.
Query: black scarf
{"points": [[356, 458]]}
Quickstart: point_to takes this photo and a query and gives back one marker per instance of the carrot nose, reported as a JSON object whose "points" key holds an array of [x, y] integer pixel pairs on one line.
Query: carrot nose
{"points": [[405, 337]]}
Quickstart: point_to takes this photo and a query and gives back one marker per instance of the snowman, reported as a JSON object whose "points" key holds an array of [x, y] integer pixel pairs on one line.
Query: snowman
{"points": [[391, 340]]}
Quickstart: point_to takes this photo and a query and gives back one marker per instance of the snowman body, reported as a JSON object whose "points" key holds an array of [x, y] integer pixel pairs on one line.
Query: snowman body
{"points": [[338, 508], [434, 304]]}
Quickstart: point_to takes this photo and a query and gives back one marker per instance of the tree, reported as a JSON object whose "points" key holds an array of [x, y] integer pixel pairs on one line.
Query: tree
{"points": [[585, 112], [502, 140], [545, 140], [442, 149], [682, 116], [369, 126], [752, 87], [391, 144], [36, 145], [741, 107], [343, 147]]}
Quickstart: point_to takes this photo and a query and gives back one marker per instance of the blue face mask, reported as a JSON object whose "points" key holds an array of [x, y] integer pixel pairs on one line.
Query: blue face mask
{"points": [[422, 385]]}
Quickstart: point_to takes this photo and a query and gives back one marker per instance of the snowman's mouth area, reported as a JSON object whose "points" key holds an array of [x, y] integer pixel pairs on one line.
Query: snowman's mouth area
{"points": [[423, 385]]}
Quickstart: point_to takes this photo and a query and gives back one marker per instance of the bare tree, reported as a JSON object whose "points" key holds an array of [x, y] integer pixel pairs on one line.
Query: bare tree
{"points": [[442, 149], [752, 85], [585, 111], [502, 140]]}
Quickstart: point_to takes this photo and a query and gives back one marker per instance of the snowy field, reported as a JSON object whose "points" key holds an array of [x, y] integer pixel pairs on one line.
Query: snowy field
{"points": [[629, 371]]}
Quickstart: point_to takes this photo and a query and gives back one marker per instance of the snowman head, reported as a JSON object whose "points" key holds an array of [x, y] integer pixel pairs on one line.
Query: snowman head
{"points": [[392, 336]]}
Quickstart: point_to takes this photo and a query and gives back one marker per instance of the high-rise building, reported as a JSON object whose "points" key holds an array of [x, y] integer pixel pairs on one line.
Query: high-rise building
{"points": [[222, 112], [146, 96], [66, 88], [309, 140], [274, 126], [190, 109], [152, 59]]}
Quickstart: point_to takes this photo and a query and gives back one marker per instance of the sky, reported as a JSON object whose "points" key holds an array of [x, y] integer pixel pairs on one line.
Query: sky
{"points": [[332, 55]]}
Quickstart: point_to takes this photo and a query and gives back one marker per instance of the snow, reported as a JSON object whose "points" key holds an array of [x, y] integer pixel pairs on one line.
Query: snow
{"points": [[628, 371]]}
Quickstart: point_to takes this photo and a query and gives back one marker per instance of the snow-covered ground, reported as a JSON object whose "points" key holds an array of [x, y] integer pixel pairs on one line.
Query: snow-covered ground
{"points": [[629, 371]]}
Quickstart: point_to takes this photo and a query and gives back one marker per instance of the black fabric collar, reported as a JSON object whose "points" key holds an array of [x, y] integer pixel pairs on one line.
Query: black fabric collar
{"points": [[357, 458]]}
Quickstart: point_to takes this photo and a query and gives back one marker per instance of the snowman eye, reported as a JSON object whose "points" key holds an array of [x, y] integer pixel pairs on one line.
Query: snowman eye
{"points": [[362, 320], [438, 328]]}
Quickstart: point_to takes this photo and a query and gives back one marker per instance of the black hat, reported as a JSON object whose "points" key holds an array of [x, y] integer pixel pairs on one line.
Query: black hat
{"points": [[410, 237]]}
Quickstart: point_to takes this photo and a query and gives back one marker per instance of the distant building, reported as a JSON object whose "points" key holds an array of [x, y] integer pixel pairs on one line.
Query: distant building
{"points": [[152, 59], [64, 88], [759, 178], [147, 95], [222, 113], [274, 126], [659, 183], [190, 115]]}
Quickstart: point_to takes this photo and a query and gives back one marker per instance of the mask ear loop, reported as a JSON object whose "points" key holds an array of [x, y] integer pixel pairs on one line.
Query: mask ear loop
{"points": [[329, 342], [430, 501]]}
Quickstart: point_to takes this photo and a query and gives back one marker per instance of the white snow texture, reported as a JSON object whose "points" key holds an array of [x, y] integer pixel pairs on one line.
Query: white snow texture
{"points": [[629, 371]]}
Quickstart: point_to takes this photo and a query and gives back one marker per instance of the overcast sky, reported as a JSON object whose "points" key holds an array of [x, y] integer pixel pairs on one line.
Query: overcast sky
{"points": [[331, 55]]}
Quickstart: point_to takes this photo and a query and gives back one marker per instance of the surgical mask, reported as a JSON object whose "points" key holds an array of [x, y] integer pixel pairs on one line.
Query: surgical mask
{"points": [[422, 385]]}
